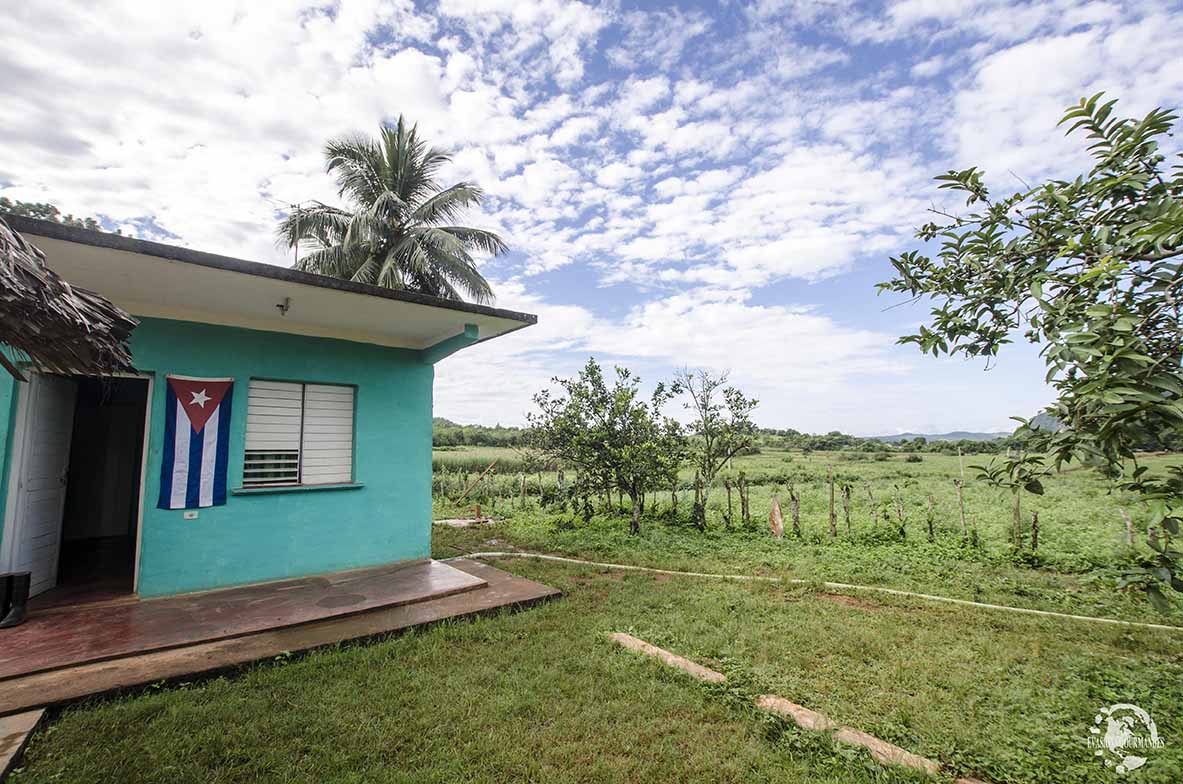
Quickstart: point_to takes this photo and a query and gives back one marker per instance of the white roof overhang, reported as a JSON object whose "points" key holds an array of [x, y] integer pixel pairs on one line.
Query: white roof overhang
{"points": [[155, 280]]}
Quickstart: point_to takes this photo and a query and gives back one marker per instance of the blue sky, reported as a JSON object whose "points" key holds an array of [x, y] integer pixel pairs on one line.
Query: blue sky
{"points": [[703, 185]]}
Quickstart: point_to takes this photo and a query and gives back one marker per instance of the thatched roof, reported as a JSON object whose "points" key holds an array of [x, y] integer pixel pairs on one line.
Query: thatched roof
{"points": [[58, 327]]}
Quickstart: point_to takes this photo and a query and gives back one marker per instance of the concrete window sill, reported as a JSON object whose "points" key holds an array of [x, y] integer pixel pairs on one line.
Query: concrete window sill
{"points": [[294, 489]]}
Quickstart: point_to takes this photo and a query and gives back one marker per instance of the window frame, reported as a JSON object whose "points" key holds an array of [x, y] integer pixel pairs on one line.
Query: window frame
{"points": [[300, 483]]}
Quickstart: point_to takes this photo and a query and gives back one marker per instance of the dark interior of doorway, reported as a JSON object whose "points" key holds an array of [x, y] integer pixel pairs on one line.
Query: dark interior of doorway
{"points": [[99, 524]]}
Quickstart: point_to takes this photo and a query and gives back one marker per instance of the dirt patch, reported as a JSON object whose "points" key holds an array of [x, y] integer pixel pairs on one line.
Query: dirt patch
{"points": [[849, 601], [614, 576], [662, 578]]}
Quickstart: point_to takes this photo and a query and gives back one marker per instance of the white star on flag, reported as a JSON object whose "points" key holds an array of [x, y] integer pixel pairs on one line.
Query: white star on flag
{"points": [[199, 398]]}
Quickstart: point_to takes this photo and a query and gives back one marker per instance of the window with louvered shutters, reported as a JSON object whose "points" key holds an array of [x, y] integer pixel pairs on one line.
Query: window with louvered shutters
{"points": [[326, 449], [298, 434]]}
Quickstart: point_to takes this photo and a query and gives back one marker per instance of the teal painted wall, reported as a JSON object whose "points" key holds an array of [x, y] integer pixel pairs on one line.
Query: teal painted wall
{"points": [[7, 417], [265, 537]]}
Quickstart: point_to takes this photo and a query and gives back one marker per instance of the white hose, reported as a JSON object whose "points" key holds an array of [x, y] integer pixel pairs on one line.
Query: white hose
{"points": [[834, 586]]}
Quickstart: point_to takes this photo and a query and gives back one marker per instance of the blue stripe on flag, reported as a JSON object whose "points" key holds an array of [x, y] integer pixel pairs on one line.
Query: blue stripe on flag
{"points": [[223, 457], [170, 438], [193, 487]]}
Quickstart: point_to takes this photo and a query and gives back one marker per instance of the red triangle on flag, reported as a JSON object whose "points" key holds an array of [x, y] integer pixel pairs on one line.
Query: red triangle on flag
{"points": [[199, 397]]}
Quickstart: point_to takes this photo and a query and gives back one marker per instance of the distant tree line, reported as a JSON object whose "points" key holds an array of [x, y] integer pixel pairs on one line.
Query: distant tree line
{"points": [[445, 432], [47, 211], [835, 441]]}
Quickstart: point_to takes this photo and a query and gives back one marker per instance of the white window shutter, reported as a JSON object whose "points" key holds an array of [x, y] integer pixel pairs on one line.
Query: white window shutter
{"points": [[327, 442], [273, 419]]}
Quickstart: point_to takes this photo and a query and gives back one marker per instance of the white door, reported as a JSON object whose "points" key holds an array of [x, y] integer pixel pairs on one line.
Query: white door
{"points": [[41, 490]]}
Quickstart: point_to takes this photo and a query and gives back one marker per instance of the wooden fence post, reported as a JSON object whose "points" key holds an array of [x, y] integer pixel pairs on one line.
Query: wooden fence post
{"points": [[776, 521], [846, 506], [699, 513], [744, 510], [931, 515], [795, 509], [899, 512], [1018, 522], [727, 487], [871, 499], [961, 492], [1129, 528], [833, 515]]}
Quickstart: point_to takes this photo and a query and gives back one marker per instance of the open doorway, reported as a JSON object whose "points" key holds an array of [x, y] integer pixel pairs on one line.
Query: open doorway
{"points": [[79, 464], [99, 524]]}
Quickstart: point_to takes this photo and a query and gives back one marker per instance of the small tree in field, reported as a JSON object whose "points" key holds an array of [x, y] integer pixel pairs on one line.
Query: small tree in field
{"points": [[609, 431], [1090, 270], [722, 426], [1015, 473]]}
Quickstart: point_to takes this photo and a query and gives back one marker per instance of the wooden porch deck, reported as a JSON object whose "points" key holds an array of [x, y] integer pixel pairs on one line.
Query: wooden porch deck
{"points": [[65, 654]]}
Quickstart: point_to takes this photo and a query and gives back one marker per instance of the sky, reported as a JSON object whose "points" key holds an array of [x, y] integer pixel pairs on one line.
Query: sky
{"points": [[700, 185]]}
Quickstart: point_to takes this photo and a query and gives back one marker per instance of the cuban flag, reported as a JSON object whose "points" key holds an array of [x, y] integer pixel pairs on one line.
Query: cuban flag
{"points": [[196, 442]]}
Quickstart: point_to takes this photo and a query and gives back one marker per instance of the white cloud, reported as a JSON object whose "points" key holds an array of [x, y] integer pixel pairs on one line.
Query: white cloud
{"points": [[786, 355], [677, 166], [803, 61], [573, 130], [638, 95], [616, 174], [561, 31], [1005, 117], [657, 38], [931, 67]]}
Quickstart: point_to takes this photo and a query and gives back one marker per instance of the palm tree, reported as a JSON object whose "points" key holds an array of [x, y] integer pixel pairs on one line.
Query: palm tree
{"points": [[397, 235]]}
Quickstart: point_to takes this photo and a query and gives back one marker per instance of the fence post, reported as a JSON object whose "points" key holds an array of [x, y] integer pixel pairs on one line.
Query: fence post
{"points": [[744, 510], [846, 507], [795, 509], [871, 499], [931, 515], [727, 486], [833, 514]]}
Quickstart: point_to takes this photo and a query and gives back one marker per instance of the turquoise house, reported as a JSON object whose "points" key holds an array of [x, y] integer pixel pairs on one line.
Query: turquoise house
{"points": [[316, 454]]}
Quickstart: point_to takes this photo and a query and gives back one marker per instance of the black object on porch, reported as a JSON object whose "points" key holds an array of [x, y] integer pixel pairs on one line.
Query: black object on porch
{"points": [[14, 598]]}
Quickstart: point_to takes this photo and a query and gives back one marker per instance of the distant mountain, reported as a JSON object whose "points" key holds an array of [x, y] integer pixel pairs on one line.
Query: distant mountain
{"points": [[956, 435]]}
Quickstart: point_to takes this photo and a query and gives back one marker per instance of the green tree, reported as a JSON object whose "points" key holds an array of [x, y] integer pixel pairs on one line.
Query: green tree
{"points": [[609, 432], [1016, 473], [722, 426], [1089, 269], [398, 233], [47, 211]]}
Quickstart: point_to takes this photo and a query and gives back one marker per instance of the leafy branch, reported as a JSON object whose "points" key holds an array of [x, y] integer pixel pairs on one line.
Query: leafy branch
{"points": [[1088, 269]]}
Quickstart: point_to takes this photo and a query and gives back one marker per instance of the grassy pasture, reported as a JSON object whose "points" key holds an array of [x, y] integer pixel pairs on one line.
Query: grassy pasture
{"points": [[1082, 546], [542, 696]]}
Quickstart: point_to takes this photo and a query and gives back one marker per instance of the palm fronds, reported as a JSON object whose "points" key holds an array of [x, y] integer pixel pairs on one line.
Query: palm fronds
{"points": [[393, 236], [58, 327]]}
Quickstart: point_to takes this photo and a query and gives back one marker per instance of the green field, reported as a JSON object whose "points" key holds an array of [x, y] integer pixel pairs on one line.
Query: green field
{"points": [[542, 695], [1082, 540]]}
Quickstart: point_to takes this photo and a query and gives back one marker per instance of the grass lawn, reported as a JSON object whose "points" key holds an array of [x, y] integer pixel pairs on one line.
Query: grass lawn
{"points": [[543, 696]]}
